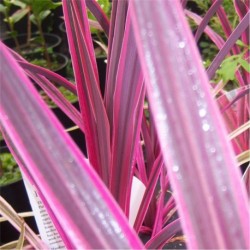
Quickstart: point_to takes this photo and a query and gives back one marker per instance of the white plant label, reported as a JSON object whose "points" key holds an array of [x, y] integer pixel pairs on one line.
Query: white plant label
{"points": [[45, 226], [137, 192]]}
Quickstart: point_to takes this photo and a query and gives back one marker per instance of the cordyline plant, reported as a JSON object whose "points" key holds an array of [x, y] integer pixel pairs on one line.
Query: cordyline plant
{"points": [[181, 140]]}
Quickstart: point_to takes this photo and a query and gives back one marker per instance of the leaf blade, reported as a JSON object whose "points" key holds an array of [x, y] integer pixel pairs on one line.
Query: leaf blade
{"points": [[174, 40], [68, 202]]}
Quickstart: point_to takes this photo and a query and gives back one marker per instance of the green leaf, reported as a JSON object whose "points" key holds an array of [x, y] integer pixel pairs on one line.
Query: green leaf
{"points": [[33, 19], [19, 14], [7, 3], [27, 2], [12, 34], [10, 21], [39, 6], [244, 64], [3, 9], [241, 44], [10, 172], [44, 14], [105, 5], [18, 3], [232, 58], [227, 70]]}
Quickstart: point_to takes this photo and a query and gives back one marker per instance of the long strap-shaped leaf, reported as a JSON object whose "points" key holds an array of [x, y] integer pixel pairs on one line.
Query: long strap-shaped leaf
{"points": [[50, 75], [242, 7], [90, 99], [246, 179], [10, 214], [164, 235], [117, 27], [128, 106], [206, 19], [28, 176], [86, 211], [99, 14], [141, 164], [45, 72], [149, 147], [158, 223], [226, 25], [217, 39], [230, 119], [201, 165], [149, 192], [184, 3], [58, 98], [38, 74]]}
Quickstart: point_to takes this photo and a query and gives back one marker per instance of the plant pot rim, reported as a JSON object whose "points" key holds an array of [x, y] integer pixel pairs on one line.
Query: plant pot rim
{"points": [[66, 60], [58, 38], [62, 27], [56, 55]]}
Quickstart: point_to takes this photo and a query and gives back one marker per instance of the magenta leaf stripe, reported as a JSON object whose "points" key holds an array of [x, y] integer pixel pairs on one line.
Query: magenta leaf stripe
{"points": [[179, 95], [206, 19], [128, 106], [97, 130], [100, 16], [72, 189]]}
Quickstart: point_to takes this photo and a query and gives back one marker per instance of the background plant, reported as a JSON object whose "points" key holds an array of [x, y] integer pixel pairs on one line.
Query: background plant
{"points": [[35, 11], [12, 19]]}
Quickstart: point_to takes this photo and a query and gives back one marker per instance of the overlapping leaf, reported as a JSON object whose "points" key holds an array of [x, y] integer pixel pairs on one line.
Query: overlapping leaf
{"points": [[180, 98], [97, 130], [72, 189], [127, 114]]}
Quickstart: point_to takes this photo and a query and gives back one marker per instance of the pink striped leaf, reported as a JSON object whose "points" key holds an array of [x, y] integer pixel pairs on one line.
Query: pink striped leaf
{"points": [[162, 237], [206, 19], [246, 178], [98, 13], [201, 164], [28, 176], [230, 119], [117, 27], [150, 155], [242, 8], [236, 111], [158, 223], [128, 107], [49, 75], [216, 38], [226, 26], [38, 74], [141, 164], [184, 3], [45, 72], [72, 189], [58, 98], [91, 104], [149, 192]]}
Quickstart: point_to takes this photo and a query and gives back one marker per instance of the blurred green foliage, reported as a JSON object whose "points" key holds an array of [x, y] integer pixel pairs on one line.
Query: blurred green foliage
{"points": [[9, 170]]}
